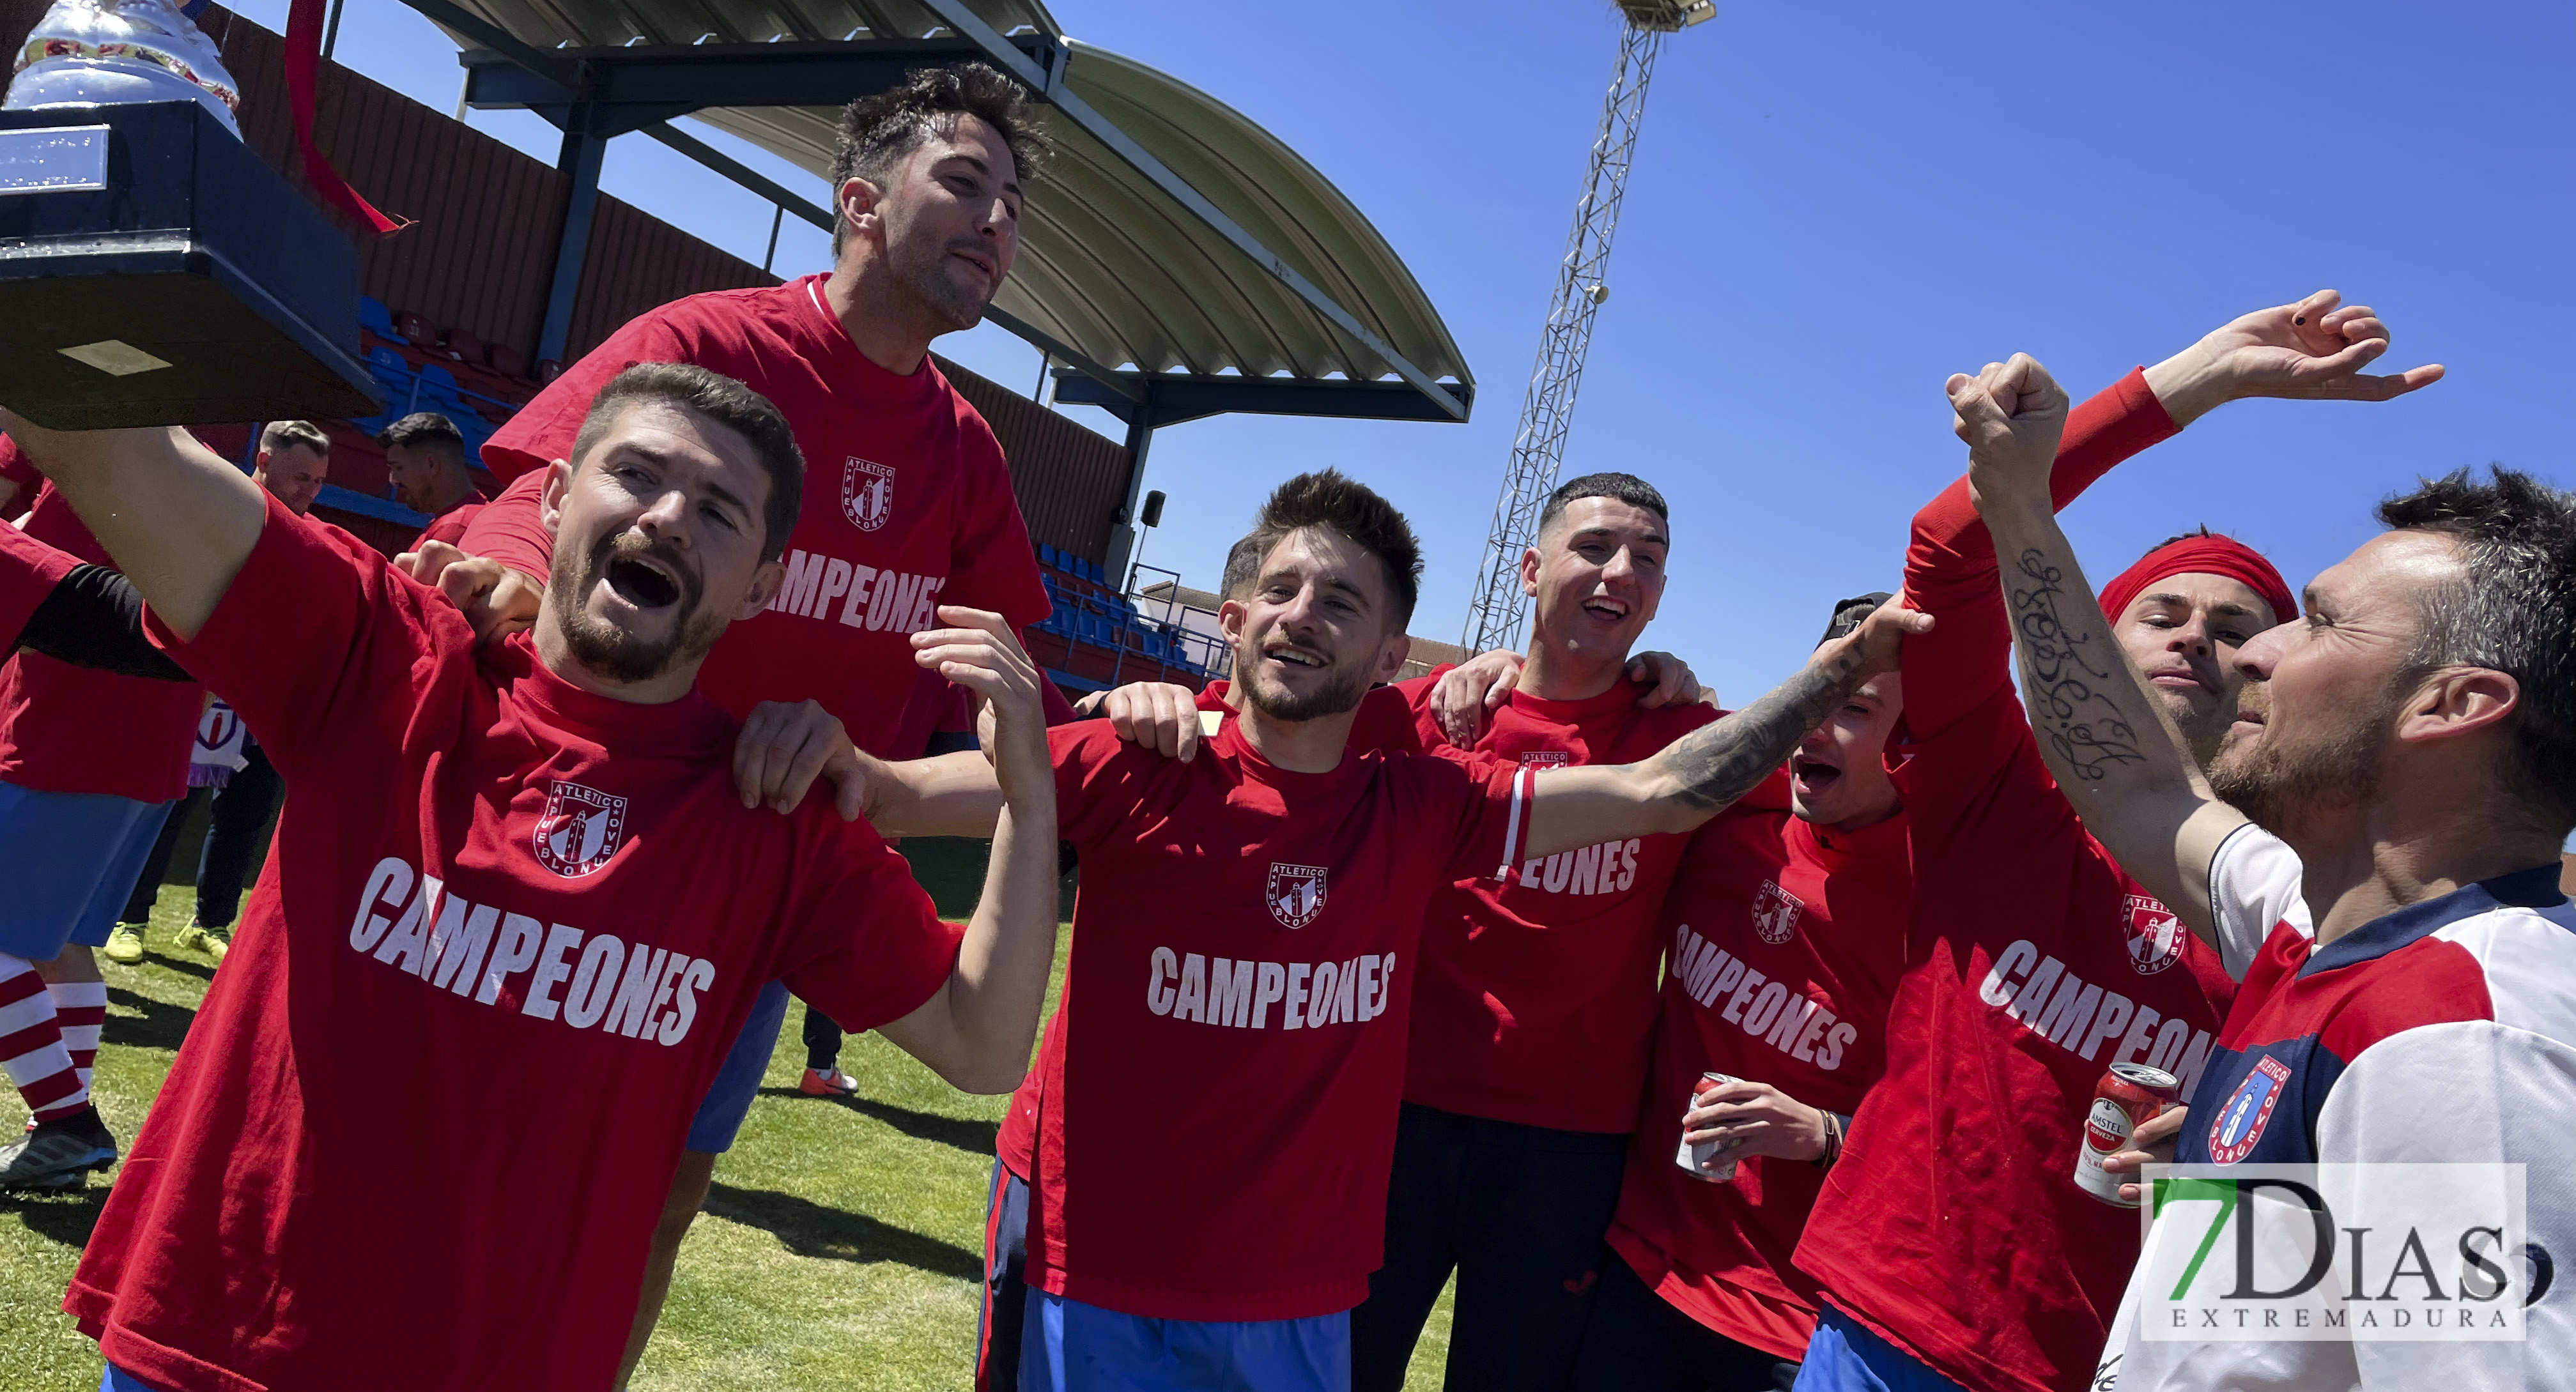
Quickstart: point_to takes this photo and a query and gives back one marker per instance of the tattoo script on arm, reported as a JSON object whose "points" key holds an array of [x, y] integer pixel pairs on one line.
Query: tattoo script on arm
{"points": [[2069, 708], [1718, 763]]}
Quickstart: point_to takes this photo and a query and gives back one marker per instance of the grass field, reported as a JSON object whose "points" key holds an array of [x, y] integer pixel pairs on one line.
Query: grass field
{"points": [[840, 1248]]}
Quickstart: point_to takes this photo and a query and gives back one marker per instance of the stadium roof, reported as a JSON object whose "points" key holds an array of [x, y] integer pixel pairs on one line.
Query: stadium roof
{"points": [[1179, 258]]}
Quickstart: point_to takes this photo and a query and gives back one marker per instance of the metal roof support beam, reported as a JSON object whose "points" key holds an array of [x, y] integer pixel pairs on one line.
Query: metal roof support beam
{"points": [[1178, 397], [579, 163], [1047, 80], [1140, 438], [704, 75]]}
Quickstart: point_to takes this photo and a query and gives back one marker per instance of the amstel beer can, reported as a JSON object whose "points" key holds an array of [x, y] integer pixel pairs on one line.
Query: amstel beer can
{"points": [[2127, 1095], [1692, 1157]]}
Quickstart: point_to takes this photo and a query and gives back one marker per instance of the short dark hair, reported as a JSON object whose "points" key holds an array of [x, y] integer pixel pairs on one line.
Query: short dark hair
{"points": [[1332, 500], [2513, 611], [878, 131], [424, 428], [295, 432], [1627, 488], [726, 402], [1848, 613]]}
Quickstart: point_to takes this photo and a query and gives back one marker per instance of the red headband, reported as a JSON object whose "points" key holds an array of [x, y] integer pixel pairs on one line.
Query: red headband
{"points": [[2202, 555]]}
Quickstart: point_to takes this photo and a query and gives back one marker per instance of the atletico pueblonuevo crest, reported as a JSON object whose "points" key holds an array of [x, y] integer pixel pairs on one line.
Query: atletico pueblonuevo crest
{"points": [[1775, 913], [2240, 1123], [2155, 935], [579, 830], [1296, 893], [867, 493]]}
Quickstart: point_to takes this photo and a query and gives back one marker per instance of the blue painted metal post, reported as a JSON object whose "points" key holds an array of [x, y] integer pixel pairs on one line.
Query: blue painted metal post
{"points": [[579, 164]]}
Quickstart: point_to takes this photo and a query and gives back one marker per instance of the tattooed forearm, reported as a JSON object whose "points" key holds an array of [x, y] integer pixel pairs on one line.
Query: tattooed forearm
{"points": [[1716, 764], [2066, 678]]}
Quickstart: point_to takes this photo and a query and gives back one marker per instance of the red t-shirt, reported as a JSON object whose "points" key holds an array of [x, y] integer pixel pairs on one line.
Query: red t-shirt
{"points": [[1537, 999], [29, 570], [1784, 940], [907, 503], [1384, 725], [450, 526], [1216, 1122], [1953, 1225], [422, 1127], [67, 729]]}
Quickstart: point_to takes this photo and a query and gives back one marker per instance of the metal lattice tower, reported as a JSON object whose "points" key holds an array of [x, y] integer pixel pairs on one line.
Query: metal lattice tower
{"points": [[1497, 609]]}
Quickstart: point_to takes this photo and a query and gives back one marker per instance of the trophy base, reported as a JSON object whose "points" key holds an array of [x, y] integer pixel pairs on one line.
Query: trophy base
{"points": [[158, 273]]}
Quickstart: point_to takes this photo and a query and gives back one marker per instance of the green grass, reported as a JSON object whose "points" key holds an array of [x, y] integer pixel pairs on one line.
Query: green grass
{"points": [[839, 1249]]}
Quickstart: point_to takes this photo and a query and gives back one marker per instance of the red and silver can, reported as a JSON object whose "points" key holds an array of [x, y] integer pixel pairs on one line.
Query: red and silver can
{"points": [[1692, 1158], [2126, 1097]]}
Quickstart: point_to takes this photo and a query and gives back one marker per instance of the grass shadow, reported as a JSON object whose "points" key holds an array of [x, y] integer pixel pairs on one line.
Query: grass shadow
{"points": [[62, 1215], [961, 1133], [809, 1229], [163, 1026], [185, 966]]}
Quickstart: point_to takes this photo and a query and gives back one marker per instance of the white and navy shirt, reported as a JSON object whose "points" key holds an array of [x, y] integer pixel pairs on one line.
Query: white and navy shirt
{"points": [[2445, 1031]]}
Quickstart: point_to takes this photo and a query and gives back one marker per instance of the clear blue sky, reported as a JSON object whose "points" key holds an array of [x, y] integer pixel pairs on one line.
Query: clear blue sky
{"points": [[1834, 207]]}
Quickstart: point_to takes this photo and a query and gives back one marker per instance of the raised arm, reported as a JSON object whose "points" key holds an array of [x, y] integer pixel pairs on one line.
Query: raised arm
{"points": [[176, 517], [2106, 738], [1697, 776], [978, 1032]]}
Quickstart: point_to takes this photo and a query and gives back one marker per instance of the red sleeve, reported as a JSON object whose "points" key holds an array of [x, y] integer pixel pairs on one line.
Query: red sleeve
{"points": [[511, 529], [990, 563], [867, 947], [14, 468], [360, 635], [29, 570], [1416, 692], [1099, 780], [1488, 805], [1950, 563]]}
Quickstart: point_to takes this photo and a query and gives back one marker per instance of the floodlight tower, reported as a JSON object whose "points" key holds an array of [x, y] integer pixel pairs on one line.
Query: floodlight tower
{"points": [[1496, 609]]}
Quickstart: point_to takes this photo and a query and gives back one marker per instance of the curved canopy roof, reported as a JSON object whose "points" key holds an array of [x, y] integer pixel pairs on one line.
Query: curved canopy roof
{"points": [[1170, 235]]}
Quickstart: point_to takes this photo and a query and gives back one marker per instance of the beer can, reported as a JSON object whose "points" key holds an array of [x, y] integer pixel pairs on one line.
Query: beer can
{"points": [[2126, 1097], [1692, 1157]]}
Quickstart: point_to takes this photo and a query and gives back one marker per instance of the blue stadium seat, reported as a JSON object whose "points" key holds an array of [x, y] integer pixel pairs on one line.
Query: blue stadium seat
{"points": [[376, 319]]}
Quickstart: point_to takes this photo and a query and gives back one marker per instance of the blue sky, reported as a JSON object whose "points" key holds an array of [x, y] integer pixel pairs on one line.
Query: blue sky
{"points": [[1834, 207]]}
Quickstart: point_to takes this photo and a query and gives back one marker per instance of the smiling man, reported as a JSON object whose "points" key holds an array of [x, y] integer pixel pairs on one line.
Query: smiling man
{"points": [[1534, 1010], [516, 914], [908, 502], [1220, 1084], [2414, 767]]}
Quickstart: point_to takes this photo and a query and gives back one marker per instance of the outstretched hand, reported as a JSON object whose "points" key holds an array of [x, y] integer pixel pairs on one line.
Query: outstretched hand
{"points": [[2010, 414], [2313, 350], [979, 651]]}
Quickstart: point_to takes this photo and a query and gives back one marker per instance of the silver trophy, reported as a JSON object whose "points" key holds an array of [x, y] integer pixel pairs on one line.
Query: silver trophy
{"points": [[108, 52]]}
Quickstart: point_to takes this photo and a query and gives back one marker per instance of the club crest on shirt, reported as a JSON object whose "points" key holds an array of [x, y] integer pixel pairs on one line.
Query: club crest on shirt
{"points": [[1775, 913], [1545, 758], [2240, 1123], [867, 493], [2155, 935], [579, 830], [1296, 893]]}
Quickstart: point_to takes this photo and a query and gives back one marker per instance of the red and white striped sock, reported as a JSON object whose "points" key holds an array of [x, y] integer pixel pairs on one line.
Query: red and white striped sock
{"points": [[31, 1044], [80, 1009]]}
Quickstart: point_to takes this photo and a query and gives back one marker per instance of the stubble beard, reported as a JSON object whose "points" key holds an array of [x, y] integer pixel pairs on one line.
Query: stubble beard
{"points": [[616, 653], [2277, 781], [940, 298], [1341, 693]]}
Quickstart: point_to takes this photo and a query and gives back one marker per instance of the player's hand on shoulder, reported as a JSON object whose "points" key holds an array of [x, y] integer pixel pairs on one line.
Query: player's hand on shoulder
{"points": [[497, 600], [1674, 683], [1745, 1119], [2010, 414], [784, 746], [1471, 691], [1160, 716]]}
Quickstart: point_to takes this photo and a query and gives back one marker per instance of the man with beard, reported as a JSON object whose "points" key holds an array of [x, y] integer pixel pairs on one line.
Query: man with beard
{"points": [[1221, 1080], [908, 505], [2413, 754], [2032, 960], [1784, 934], [421, 1127]]}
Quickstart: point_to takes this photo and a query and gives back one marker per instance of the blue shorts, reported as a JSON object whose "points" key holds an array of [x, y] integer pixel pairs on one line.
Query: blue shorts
{"points": [[69, 861], [1068, 1346], [719, 1117], [116, 1379], [1844, 1357]]}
